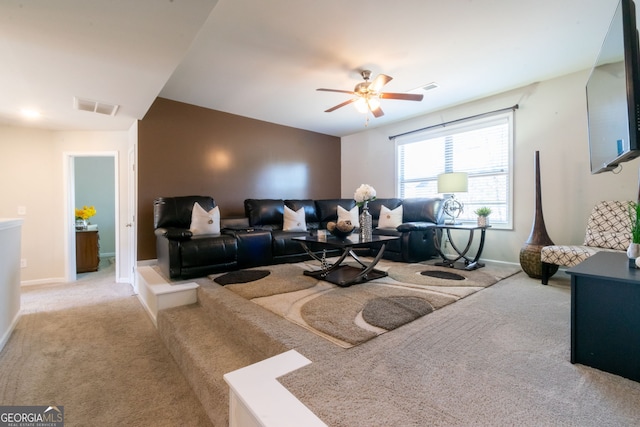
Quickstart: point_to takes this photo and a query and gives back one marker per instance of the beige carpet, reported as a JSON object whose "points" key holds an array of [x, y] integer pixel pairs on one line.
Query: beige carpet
{"points": [[89, 346], [353, 315], [497, 358]]}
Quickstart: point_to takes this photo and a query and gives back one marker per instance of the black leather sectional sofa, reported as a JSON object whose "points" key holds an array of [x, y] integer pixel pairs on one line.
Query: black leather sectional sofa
{"points": [[259, 239]]}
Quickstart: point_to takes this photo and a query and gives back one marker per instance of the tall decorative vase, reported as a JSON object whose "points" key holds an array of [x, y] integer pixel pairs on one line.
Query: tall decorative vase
{"points": [[366, 224], [539, 238]]}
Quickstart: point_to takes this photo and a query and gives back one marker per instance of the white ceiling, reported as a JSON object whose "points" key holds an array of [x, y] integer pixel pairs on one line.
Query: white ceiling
{"points": [[265, 59]]}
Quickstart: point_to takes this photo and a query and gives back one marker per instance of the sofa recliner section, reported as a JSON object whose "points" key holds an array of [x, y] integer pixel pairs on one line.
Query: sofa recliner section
{"points": [[268, 214], [180, 254], [419, 215], [259, 238]]}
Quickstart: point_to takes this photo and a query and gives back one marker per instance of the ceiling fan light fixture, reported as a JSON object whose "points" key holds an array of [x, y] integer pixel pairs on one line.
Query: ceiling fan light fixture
{"points": [[361, 105], [374, 102], [367, 95], [361, 88]]}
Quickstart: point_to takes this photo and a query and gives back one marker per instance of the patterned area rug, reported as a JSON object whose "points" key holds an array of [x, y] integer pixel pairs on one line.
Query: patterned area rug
{"points": [[242, 276], [353, 315]]}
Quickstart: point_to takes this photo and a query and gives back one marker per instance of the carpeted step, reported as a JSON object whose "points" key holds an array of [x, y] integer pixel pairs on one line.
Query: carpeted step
{"points": [[224, 332], [260, 328], [221, 333], [205, 350]]}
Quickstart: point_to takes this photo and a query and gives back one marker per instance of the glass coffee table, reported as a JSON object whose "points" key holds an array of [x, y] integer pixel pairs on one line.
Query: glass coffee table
{"points": [[342, 274]]}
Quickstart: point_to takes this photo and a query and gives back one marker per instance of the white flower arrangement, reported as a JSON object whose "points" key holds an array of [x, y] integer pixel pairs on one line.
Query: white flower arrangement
{"points": [[364, 193]]}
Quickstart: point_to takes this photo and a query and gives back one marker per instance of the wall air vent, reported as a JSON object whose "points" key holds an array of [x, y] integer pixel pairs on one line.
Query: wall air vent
{"points": [[94, 106]]}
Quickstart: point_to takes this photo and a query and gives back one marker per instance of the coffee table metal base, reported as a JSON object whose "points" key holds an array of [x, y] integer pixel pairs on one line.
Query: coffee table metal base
{"points": [[341, 274], [346, 275]]}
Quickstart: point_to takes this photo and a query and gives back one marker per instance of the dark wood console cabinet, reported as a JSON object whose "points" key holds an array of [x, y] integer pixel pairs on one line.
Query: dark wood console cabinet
{"points": [[605, 314], [87, 251]]}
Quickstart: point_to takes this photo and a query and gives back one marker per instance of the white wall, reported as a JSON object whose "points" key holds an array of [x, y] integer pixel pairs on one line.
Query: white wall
{"points": [[32, 161], [552, 118], [9, 277]]}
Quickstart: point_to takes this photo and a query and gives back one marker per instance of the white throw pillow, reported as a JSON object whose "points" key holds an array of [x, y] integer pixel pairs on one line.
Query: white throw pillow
{"points": [[203, 222], [294, 220], [390, 218], [352, 215]]}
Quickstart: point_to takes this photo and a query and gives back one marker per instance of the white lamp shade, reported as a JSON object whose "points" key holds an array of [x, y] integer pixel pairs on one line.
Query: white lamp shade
{"points": [[453, 182]]}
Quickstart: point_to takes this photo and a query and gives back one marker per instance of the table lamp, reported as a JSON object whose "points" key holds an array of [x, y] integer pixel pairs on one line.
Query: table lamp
{"points": [[450, 183]]}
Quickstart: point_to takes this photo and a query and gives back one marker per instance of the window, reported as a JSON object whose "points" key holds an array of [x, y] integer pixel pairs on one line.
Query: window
{"points": [[482, 147]]}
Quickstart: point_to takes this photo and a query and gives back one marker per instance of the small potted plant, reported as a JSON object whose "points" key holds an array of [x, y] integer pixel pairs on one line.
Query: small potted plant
{"points": [[483, 215]]}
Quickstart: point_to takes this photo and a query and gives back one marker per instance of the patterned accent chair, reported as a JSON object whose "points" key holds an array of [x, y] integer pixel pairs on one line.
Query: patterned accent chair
{"points": [[608, 229]]}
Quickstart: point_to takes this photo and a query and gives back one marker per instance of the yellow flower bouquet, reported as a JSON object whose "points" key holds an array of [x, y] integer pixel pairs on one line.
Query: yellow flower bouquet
{"points": [[82, 215], [85, 213]]}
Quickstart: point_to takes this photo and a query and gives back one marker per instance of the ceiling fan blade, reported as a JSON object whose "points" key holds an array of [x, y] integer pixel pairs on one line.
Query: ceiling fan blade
{"points": [[402, 96], [377, 112], [379, 81], [336, 90], [340, 105]]}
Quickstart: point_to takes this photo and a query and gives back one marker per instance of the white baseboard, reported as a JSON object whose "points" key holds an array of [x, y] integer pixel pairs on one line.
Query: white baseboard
{"points": [[495, 262], [7, 334], [43, 281]]}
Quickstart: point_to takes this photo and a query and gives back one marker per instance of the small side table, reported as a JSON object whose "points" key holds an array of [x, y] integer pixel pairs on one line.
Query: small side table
{"points": [[87, 251], [469, 263]]}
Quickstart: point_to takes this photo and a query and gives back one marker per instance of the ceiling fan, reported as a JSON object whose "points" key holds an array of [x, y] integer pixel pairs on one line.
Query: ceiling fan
{"points": [[368, 95]]}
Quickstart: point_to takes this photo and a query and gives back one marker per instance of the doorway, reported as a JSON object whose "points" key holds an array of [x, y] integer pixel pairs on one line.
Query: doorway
{"points": [[92, 181]]}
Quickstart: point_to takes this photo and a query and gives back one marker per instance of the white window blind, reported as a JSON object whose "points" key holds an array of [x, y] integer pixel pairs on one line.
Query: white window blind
{"points": [[482, 147]]}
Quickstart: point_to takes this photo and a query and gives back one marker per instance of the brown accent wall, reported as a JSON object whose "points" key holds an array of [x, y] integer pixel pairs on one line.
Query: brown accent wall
{"points": [[188, 150]]}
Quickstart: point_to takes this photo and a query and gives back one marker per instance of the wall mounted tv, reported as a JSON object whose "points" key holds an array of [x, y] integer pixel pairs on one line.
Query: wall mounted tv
{"points": [[613, 94]]}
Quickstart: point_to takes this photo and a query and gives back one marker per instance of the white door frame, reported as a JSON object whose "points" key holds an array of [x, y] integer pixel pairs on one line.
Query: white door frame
{"points": [[69, 210], [131, 217]]}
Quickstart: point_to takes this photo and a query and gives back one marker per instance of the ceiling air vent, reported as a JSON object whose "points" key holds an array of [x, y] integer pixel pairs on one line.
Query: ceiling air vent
{"points": [[95, 106], [430, 86]]}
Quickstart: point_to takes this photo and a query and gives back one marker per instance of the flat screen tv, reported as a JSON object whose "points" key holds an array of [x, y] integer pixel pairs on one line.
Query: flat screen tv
{"points": [[613, 94]]}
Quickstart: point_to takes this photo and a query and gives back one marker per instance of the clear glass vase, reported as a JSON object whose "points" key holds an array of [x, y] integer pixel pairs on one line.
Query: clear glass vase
{"points": [[366, 224]]}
